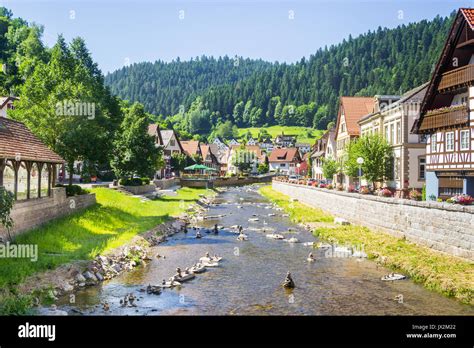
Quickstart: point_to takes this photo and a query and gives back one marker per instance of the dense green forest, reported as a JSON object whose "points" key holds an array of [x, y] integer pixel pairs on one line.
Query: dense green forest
{"points": [[206, 91]]}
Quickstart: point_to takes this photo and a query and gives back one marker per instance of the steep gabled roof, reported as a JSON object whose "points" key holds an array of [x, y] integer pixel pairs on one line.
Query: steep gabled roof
{"points": [[284, 155], [192, 147], [154, 131], [5, 100], [464, 15], [16, 140], [167, 135], [354, 109]]}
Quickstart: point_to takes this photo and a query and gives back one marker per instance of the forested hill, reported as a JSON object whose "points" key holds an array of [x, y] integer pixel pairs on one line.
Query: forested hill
{"points": [[255, 93]]}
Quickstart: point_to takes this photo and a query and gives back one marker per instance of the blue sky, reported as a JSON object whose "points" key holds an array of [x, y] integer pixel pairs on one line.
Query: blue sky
{"points": [[121, 32]]}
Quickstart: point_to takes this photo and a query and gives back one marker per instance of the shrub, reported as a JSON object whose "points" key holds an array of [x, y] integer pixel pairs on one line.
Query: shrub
{"points": [[415, 195], [364, 190], [423, 193], [322, 185], [73, 190], [329, 187], [462, 199], [340, 187], [132, 182], [145, 181]]}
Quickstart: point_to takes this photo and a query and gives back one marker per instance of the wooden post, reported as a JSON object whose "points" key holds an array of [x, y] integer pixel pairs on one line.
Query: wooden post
{"points": [[49, 166], [16, 167], [40, 169], [28, 166], [54, 177], [3, 164]]}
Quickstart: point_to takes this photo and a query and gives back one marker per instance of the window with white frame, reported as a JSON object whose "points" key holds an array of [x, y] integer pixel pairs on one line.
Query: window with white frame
{"points": [[450, 141], [421, 168], [392, 134], [433, 142], [399, 133], [465, 139]]}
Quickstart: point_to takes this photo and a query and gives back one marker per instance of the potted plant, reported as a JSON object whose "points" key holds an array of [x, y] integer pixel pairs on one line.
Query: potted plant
{"points": [[351, 189], [364, 190], [462, 199], [415, 195], [385, 192]]}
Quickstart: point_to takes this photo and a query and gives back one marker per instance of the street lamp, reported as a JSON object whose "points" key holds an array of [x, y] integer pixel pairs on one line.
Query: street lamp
{"points": [[360, 162]]}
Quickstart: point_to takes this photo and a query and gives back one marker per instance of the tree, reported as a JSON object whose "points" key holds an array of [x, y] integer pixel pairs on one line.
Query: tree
{"points": [[243, 159], [178, 161], [330, 168], [134, 150], [378, 158]]}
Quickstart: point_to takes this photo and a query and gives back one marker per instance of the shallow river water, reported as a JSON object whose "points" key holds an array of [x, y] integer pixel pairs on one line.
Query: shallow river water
{"points": [[248, 280]]}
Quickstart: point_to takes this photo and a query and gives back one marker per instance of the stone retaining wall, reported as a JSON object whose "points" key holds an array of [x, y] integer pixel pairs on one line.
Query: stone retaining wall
{"points": [[140, 190], [220, 182], [35, 212], [164, 184], [441, 226]]}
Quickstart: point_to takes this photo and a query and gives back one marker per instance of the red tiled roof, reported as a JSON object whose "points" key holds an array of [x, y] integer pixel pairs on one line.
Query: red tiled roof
{"points": [[191, 147], [354, 109], [16, 140], [284, 155], [469, 15]]}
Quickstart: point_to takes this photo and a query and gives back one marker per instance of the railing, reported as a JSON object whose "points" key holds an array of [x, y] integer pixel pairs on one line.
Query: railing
{"points": [[446, 117], [457, 77]]}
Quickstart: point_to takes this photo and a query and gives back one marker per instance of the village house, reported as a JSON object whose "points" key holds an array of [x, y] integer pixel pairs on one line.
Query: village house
{"points": [[6, 103], [257, 157], [192, 148], [209, 159], [28, 168], [285, 161], [351, 110], [171, 146], [220, 144], [283, 140], [320, 152], [393, 119], [266, 145], [303, 148], [233, 142], [252, 142], [447, 114]]}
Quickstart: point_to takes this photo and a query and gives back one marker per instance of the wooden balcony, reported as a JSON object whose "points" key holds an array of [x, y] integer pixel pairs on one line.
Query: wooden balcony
{"points": [[460, 77], [445, 118]]}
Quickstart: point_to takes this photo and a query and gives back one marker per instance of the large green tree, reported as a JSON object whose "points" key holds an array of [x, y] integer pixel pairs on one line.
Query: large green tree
{"points": [[135, 153]]}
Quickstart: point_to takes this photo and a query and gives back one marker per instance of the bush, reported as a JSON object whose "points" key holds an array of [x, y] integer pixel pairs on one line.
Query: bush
{"points": [[339, 187], [73, 190], [329, 187], [350, 189], [364, 190], [134, 181]]}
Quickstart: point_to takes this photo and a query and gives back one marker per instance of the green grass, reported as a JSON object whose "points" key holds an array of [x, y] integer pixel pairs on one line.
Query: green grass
{"points": [[449, 275], [115, 220], [301, 132]]}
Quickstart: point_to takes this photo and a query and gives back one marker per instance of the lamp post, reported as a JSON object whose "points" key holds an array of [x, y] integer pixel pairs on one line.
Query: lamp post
{"points": [[360, 161]]}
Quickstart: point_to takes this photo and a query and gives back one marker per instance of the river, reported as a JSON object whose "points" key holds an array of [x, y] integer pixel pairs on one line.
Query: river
{"points": [[248, 280]]}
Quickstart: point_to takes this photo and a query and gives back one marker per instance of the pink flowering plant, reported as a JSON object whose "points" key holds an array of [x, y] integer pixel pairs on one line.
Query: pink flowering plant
{"points": [[462, 199], [385, 192]]}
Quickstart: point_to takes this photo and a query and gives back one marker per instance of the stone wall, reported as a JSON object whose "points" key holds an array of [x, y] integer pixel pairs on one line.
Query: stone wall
{"points": [[35, 212], [220, 182], [441, 226], [140, 190], [164, 184]]}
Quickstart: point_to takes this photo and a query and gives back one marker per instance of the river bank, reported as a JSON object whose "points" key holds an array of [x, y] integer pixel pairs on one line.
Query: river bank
{"points": [[91, 246], [448, 275]]}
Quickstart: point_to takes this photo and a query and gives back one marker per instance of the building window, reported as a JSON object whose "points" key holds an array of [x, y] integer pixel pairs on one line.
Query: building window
{"points": [[399, 132], [433, 142], [386, 134], [421, 168], [392, 134], [422, 139], [450, 141], [172, 142], [465, 139]]}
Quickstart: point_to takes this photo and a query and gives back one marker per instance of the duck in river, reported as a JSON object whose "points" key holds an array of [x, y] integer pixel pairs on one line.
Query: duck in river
{"points": [[216, 230], [288, 283], [198, 234]]}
